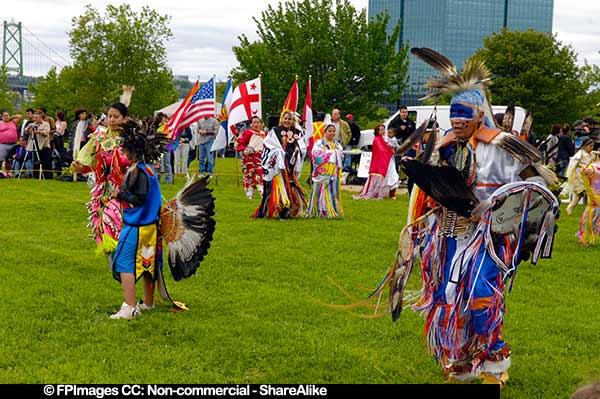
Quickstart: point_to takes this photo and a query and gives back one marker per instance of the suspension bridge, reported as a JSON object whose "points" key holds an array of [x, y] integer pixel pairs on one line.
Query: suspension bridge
{"points": [[26, 57]]}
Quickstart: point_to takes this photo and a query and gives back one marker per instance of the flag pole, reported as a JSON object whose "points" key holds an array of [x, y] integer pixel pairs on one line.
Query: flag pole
{"points": [[260, 97]]}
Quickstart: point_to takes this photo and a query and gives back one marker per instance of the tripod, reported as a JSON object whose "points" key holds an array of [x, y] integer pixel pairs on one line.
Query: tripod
{"points": [[32, 148]]}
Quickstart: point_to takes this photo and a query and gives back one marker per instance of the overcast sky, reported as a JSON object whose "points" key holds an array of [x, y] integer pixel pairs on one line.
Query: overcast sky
{"points": [[205, 31]]}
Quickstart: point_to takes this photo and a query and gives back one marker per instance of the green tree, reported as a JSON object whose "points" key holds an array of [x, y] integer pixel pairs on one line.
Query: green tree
{"points": [[535, 71], [119, 48], [354, 63], [49, 93], [589, 74], [7, 96]]}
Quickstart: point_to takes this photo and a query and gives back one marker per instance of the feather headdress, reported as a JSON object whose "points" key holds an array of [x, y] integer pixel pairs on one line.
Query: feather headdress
{"points": [[470, 85]]}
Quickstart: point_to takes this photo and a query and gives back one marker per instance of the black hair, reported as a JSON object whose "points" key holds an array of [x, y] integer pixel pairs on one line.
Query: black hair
{"points": [[42, 109], [320, 116], [143, 141], [30, 110], [60, 115], [79, 112], [122, 108], [402, 107]]}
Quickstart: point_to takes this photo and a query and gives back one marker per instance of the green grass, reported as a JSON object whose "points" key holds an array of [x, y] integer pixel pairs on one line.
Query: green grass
{"points": [[255, 315]]}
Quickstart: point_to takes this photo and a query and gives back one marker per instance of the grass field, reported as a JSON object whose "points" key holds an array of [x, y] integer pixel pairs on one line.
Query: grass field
{"points": [[255, 315]]}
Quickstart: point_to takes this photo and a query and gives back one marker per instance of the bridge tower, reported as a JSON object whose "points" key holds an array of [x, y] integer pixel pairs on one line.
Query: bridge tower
{"points": [[12, 47], [12, 56]]}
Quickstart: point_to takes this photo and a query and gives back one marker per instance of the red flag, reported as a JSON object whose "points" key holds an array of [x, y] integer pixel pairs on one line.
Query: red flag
{"points": [[291, 102], [307, 113]]}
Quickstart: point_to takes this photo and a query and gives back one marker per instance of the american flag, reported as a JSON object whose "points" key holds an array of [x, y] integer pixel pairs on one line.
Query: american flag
{"points": [[201, 104]]}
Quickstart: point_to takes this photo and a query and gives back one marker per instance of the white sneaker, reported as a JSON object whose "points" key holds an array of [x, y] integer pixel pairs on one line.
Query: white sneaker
{"points": [[126, 312], [143, 307]]}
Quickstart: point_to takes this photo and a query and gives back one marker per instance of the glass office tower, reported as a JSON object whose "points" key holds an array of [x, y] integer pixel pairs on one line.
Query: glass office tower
{"points": [[456, 28]]}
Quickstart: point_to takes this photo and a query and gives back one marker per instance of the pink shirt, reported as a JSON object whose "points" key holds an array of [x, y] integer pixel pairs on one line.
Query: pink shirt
{"points": [[8, 132]]}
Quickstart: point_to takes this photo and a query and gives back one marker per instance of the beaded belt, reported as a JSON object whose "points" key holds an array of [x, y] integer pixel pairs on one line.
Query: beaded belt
{"points": [[454, 226]]}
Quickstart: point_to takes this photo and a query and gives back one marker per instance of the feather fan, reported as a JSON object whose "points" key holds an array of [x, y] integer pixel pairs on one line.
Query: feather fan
{"points": [[126, 96], [444, 184], [187, 225]]}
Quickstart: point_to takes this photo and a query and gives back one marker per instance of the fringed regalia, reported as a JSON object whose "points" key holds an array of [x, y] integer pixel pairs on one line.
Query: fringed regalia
{"points": [[250, 144], [140, 246], [465, 265], [327, 173], [589, 224], [282, 159], [383, 176], [108, 163]]}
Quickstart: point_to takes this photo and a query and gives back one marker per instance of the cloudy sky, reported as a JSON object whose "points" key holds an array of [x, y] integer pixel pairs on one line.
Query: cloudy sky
{"points": [[205, 31]]}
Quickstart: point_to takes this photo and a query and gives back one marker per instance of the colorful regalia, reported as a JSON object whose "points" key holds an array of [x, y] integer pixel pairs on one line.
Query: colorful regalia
{"points": [[186, 222], [282, 159], [577, 163], [589, 224], [383, 176], [140, 246], [467, 251], [326, 176], [250, 144], [107, 162]]}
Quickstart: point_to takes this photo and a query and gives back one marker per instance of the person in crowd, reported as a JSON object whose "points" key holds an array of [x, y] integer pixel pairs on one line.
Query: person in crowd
{"points": [[182, 152], [383, 177], [566, 149], [59, 135], [26, 122], [549, 146], [351, 159], [392, 141], [403, 124], [283, 156], [103, 156], [250, 144], [207, 130], [327, 158], [8, 134], [50, 120], [343, 133], [574, 185], [21, 159], [80, 132], [166, 166], [39, 132], [589, 224], [193, 143]]}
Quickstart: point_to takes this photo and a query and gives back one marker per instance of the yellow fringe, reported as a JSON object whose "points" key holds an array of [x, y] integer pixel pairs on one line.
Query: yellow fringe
{"points": [[108, 245]]}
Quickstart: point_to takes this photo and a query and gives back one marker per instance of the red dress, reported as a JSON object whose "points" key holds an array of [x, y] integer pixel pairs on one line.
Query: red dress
{"points": [[250, 144]]}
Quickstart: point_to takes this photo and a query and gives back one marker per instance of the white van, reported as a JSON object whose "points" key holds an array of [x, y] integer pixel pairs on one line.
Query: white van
{"points": [[419, 114]]}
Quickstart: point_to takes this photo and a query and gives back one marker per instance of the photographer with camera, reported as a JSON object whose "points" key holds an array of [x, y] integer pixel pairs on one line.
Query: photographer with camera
{"points": [[40, 142]]}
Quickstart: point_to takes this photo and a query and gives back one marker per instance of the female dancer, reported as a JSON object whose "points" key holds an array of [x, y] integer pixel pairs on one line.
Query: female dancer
{"points": [[250, 144], [282, 159], [103, 156], [383, 177], [327, 158]]}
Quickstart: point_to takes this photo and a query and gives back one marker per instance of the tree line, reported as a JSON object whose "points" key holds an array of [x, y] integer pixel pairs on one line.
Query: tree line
{"points": [[356, 63]]}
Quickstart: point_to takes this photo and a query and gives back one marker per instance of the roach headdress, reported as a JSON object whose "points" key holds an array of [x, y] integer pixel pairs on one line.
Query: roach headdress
{"points": [[471, 85]]}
